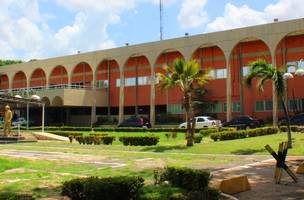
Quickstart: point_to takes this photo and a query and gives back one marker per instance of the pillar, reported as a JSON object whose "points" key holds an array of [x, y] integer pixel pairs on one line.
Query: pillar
{"points": [[274, 95], [228, 92], [152, 97], [121, 97]]}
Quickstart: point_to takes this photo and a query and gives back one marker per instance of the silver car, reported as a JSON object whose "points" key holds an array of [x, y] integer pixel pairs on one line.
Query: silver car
{"points": [[204, 122]]}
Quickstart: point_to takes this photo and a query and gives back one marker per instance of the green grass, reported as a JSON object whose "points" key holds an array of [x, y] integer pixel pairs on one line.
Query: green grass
{"points": [[42, 177]]}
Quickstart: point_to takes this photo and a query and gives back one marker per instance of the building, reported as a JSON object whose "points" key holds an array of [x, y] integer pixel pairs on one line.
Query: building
{"points": [[106, 80]]}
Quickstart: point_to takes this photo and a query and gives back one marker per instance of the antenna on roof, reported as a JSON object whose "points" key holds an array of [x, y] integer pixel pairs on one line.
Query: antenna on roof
{"points": [[161, 19]]}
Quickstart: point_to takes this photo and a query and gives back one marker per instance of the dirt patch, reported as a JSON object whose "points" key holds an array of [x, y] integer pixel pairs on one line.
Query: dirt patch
{"points": [[18, 170], [149, 163]]}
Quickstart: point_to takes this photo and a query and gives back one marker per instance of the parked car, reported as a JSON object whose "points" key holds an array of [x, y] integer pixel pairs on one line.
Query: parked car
{"points": [[295, 120], [243, 122], [21, 120], [140, 122], [203, 122]]}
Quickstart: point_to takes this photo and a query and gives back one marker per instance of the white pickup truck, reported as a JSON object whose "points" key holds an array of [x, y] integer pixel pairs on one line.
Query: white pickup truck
{"points": [[204, 122]]}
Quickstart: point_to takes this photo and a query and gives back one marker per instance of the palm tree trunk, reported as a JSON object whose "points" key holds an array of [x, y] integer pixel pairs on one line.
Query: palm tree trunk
{"points": [[288, 123], [189, 132]]}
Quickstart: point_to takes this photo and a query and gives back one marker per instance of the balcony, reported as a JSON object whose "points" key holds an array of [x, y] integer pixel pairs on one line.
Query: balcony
{"points": [[66, 95]]}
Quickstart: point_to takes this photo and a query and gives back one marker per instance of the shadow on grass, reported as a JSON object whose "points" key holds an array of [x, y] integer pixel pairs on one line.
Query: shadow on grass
{"points": [[247, 151], [164, 148]]}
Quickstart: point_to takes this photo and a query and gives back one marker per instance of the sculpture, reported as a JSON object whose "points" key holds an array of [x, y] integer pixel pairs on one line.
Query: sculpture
{"points": [[7, 121]]}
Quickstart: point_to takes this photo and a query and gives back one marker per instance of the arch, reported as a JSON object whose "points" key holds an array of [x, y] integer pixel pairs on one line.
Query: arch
{"points": [[163, 98], [46, 101], [19, 80], [38, 78], [137, 73], [58, 76], [4, 82], [245, 51], [82, 75], [57, 101], [211, 57], [289, 53]]}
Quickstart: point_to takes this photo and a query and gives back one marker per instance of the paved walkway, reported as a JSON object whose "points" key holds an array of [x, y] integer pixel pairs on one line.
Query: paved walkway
{"points": [[261, 179]]}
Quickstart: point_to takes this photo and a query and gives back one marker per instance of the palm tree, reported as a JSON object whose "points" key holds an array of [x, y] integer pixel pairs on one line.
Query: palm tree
{"points": [[185, 75], [264, 72]]}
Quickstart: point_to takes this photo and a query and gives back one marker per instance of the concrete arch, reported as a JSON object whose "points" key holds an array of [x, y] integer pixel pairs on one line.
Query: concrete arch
{"points": [[165, 51], [19, 80], [37, 73], [199, 51], [86, 76], [4, 82], [292, 33], [46, 101], [62, 79], [57, 101]]}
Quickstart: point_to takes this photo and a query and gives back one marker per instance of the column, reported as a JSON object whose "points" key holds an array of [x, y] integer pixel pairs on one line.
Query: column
{"points": [[274, 96], [152, 97], [228, 92], [121, 96]]}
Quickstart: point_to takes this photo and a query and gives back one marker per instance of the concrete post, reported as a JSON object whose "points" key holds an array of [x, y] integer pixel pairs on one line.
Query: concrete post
{"points": [[121, 97], [228, 91], [152, 97], [274, 95]]}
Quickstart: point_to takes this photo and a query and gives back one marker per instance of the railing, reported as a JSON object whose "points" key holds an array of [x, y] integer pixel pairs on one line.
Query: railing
{"points": [[50, 87]]}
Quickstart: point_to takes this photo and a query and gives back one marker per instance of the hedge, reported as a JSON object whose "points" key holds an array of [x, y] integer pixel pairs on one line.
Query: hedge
{"points": [[139, 140], [94, 188], [293, 128], [197, 138], [97, 140], [232, 135], [186, 178], [207, 132], [114, 129]]}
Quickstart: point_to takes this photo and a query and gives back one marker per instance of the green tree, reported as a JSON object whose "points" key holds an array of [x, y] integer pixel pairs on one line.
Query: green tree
{"points": [[9, 62], [186, 76], [264, 72]]}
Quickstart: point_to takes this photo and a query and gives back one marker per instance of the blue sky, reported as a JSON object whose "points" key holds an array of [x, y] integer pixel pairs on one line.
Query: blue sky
{"points": [[36, 29]]}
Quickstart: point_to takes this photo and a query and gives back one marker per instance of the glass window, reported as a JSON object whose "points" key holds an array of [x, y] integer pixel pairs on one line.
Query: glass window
{"points": [[212, 73], [293, 104], [221, 73], [268, 105], [102, 84], [216, 107], [236, 107], [117, 82], [200, 119], [259, 106], [291, 69], [175, 108], [130, 81], [143, 80], [246, 70]]}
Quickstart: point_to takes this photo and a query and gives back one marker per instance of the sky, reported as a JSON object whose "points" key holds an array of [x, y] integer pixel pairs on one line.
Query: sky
{"points": [[37, 29]]}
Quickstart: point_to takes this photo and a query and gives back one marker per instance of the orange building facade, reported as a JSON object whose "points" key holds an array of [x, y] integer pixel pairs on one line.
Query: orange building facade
{"points": [[123, 82]]}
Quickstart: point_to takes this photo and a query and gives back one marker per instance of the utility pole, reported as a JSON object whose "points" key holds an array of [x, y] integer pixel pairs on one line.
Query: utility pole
{"points": [[161, 19]]}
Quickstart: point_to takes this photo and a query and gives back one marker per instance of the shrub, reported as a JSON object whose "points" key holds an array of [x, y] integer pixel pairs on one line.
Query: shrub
{"points": [[139, 140], [207, 132], [107, 139], [186, 178], [207, 194], [13, 196], [161, 192], [197, 138], [239, 134], [113, 188]]}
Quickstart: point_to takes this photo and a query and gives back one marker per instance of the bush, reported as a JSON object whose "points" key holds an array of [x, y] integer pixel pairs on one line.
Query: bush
{"points": [[107, 139], [161, 192], [207, 194], [207, 132], [139, 140], [186, 178], [13, 196], [293, 128], [113, 188], [232, 135], [197, 138]]}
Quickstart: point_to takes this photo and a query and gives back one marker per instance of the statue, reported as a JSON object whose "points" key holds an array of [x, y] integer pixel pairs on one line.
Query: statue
{"points": [[7, 121]]}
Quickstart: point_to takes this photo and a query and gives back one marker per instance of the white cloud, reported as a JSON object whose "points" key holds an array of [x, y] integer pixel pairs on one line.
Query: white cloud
{"points": [[235, 17], [192, 14]]}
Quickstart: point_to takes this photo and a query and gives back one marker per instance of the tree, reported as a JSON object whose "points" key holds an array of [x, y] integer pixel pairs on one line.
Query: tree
{"points": [[186, 76], [9, 62], [264, 72]]}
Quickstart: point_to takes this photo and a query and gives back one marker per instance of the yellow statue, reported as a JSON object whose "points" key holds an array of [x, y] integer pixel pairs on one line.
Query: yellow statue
{"points": [[7, 121]]}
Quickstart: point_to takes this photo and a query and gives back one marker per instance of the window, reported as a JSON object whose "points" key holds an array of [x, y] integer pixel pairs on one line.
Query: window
{"points": [[102, 84], [216, 107], [143, 80], [236, 107], [200, 119], [130, 81], [117, 82], [259, 106], [246, 70], [218, 73], [175, 109], [268, 105]]}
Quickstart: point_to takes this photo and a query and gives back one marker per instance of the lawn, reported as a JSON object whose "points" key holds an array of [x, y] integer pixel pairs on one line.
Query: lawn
{"points": [[40, 168]]}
